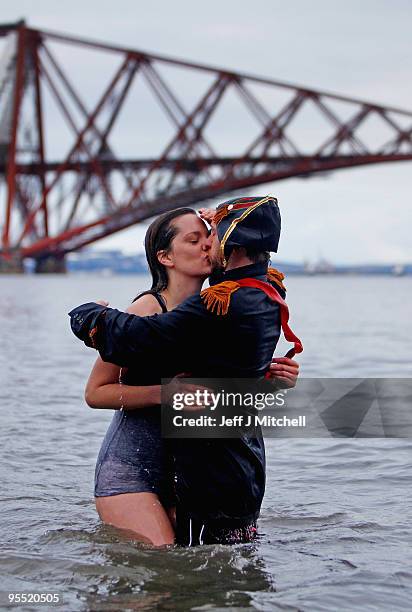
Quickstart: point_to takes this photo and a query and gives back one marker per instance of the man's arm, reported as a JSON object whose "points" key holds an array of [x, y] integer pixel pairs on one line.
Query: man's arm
{"points": [[124, 338]]}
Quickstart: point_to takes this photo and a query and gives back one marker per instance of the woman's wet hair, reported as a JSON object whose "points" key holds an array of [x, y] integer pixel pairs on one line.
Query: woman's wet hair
{"points": [[159, 237]]}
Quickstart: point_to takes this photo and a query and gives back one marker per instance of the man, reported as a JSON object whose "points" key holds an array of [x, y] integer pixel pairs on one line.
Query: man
{"points": [[230, 330]]}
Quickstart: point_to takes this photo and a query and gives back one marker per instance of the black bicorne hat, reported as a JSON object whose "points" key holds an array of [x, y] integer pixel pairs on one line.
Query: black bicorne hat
{"points": [[248, 222]]}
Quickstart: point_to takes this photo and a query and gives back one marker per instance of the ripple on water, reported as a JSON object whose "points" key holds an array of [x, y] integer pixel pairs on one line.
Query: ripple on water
{"points": [[272, 519]]}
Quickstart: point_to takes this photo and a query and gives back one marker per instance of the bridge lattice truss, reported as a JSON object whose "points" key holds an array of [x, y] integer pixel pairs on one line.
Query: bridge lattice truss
{"points": [[57, 205]]}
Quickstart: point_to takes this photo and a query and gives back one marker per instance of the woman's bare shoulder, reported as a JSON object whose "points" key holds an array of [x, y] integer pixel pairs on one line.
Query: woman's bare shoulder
{"points": [[145, 306]]}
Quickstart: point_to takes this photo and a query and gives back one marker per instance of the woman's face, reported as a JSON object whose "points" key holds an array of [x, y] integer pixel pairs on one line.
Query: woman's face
{"points": [[189, 252]]}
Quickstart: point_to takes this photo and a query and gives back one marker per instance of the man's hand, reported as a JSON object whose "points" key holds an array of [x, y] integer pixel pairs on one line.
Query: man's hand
{"points": [[283, 373], [102, 302]]}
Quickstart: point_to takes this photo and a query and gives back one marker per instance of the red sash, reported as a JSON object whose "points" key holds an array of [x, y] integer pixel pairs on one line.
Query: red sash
{"points": [[284, 311]]}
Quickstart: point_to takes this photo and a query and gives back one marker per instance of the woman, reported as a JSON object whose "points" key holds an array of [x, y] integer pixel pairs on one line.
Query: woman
{"points": [[133, 480]]}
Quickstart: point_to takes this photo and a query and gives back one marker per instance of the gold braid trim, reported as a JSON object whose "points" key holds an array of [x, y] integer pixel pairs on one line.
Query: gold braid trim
{"points": [[274, 276], [92, 335], [93, 332], [220, 214], [217, 298]]}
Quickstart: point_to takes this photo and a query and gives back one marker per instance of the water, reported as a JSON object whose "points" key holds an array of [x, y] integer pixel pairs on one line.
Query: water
{"points": [[335, 531]]}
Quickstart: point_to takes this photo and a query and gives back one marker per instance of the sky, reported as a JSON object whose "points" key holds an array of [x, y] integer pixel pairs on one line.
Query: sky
{"points": [[357, 49]]}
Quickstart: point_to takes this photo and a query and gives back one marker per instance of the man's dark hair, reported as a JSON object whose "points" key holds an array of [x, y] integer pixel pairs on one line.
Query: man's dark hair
{"points": [[254, 255], [257, 256]]}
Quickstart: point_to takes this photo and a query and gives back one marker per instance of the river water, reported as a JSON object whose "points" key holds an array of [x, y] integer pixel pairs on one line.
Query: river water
{"points": [[336, 524]]}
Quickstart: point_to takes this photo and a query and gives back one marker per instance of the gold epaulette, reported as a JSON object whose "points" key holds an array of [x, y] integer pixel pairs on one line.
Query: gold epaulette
{"points": [[274, 276], [217, 297]]}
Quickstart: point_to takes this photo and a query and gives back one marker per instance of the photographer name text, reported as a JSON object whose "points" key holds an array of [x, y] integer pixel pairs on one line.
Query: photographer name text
{"points": [[239, 421]]}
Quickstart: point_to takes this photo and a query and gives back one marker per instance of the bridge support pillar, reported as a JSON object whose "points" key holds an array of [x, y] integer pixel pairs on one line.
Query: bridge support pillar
{"points": [[11, 264], [51, 264]]}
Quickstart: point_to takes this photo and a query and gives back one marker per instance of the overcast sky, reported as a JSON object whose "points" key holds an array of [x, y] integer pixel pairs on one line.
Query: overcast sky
{"points": [[360, 49]]}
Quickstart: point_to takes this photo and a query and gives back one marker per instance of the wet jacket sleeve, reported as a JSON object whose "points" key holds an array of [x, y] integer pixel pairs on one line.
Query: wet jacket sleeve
{"points": [[123, 338]]}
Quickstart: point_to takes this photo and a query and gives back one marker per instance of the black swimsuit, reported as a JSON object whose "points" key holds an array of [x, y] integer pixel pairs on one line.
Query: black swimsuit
{"points": [[133, 457], [157, 296]]}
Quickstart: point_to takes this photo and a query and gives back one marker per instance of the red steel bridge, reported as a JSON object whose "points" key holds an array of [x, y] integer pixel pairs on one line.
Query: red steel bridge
{"points": [[77, 155]]}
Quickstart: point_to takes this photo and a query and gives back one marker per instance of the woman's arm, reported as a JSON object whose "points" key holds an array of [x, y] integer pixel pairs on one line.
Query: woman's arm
{"points": [[103, 389]]}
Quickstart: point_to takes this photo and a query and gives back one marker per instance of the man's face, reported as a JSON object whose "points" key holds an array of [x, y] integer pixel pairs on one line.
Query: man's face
{"points": [[215, 253]]}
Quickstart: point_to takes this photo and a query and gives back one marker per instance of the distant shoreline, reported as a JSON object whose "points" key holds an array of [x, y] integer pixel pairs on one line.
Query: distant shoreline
{"points": [[115, 262], [334, 273]]}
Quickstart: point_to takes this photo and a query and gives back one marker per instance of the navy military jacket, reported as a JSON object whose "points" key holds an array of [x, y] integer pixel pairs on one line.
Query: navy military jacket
{"points": [[217, 479]]}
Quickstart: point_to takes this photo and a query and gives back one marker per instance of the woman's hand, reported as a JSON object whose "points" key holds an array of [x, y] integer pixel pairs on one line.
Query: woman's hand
{"points": [[207, 214], [102, 302], [283, 372]]}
